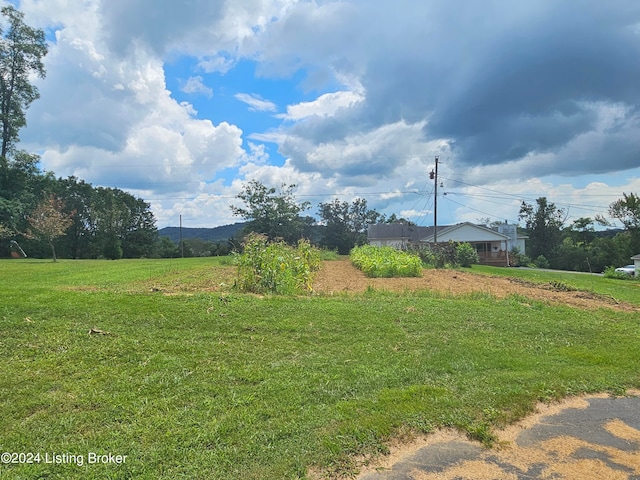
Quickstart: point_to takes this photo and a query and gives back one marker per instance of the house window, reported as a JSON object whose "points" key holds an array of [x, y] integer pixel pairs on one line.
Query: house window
{"points": [[482, 247]]}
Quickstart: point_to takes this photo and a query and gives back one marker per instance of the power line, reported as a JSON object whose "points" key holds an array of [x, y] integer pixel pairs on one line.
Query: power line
{"points": [[480, 211]]}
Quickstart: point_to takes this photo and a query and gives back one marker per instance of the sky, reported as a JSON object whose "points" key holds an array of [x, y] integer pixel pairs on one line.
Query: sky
{"points": [[182, 102]]}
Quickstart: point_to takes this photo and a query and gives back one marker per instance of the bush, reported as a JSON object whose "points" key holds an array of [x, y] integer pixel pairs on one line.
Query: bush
{"points": [[329, 255], [442, 255], [426, 254], [386, 262], [610, 272], [275, 267], [541, 262], [466, 255], [517, 258]]}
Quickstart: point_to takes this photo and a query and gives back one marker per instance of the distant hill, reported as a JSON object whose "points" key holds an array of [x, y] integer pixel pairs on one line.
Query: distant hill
{"points": [[215, 234]]}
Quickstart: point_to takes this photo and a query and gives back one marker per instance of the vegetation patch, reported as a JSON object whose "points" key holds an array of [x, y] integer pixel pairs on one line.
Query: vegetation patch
{"points": [[274, 267], [386, 262], [217, 385], [610, 272], [450, 254]]}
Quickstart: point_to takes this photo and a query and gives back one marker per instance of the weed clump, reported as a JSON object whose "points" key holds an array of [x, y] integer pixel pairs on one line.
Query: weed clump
{"points": [[385, 262], [275, 267]]}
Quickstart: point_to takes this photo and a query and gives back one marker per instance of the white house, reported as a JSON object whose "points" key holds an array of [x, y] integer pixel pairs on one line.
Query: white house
{"points": [[493, 246]]}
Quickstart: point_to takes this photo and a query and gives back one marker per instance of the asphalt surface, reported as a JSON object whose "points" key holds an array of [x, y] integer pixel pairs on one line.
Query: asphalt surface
{"points": [[589, 438]]}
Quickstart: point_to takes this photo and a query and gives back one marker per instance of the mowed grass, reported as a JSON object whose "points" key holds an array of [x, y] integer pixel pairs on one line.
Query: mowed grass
{"points": [[622, 290], [203, 382]]}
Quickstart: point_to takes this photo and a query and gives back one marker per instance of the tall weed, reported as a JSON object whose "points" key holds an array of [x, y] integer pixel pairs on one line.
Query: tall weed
{"points": [[385, 262], [275, 267]]}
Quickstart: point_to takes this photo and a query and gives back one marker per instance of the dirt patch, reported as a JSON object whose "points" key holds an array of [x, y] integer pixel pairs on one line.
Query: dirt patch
{"points": [[340, 276]]}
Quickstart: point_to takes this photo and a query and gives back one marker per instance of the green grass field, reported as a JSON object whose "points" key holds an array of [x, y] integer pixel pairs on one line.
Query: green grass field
{"points": [[222, 385]]}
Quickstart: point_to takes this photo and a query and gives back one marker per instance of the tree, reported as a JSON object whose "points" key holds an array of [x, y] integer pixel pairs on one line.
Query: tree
{"points": [[627, 210], [122, 225], [21, 187], [5, 232], [544, 224], [165, 248], [582, 231], [393, 218], [22, 49], [49, 221], [139, 233], [272, 212], [345, 225], [78, 196]]}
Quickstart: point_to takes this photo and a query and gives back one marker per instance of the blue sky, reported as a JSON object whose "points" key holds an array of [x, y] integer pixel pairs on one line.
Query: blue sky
{"points": [[181, 102]]}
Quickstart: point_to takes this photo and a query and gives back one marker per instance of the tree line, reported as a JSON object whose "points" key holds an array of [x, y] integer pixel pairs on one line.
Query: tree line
{"points": [[276, 213], [551, 243], [67, 217], [580, 246]]}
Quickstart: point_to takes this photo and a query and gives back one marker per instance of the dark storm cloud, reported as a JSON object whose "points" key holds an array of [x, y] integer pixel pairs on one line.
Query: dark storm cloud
{"points": [[516, 86], [500, 81]]}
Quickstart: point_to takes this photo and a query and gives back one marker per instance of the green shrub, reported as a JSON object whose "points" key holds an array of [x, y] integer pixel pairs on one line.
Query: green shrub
{"points": [[275, 267], [466, 255], [329, 255], [541, 262], [385, 262], [426, 254], [440, 255], [518, 258], [610, 272]]}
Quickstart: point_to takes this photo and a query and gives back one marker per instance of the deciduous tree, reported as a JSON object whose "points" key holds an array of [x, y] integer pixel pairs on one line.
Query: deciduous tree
{"points": [[627, 210], [123, 225], [272, 212], [22, 49], [49, 221], [544, 225], [345, 225]]}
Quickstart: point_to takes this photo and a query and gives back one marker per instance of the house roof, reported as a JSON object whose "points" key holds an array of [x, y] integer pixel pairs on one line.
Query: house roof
{"points": [[636, 257], [447, 230], [413, 233]]}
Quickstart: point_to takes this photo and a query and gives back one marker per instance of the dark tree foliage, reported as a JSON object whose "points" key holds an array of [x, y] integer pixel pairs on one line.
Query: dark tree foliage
{"points": [[627, 210], [78, 197], [22, 49], [105, 222], [393, 218], [544, 226], [124, 225], [345, 225]]}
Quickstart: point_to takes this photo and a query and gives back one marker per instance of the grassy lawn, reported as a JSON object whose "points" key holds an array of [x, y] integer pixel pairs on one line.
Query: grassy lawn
{"points": [[623, 290], [221, 385]]}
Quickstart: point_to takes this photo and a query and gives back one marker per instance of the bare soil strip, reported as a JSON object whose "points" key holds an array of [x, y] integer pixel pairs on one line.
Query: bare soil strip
{"points": [[341, 276]]}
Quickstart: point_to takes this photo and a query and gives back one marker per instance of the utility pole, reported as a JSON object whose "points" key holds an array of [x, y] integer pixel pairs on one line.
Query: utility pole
{"points": [[434, 175], [181, 242]]}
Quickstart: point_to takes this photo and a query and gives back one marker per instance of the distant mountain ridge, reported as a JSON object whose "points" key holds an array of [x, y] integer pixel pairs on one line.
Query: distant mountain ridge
{"points": [[215, 234]]}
